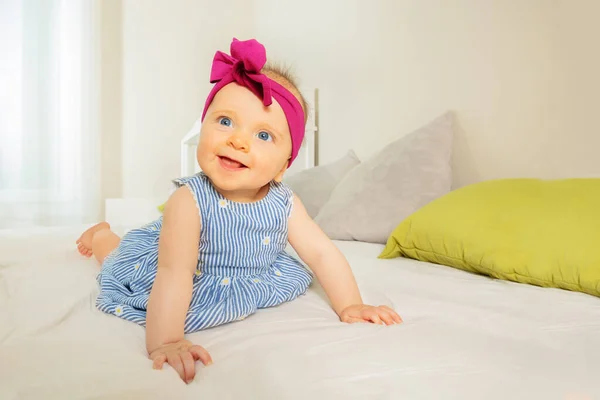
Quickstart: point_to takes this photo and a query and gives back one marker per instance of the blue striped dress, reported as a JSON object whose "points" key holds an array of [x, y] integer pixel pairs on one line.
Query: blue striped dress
{"points": [[242, 263]]}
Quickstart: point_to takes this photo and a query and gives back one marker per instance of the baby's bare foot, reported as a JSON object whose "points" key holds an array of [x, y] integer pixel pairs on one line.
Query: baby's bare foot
{"points": [[84, 243]]}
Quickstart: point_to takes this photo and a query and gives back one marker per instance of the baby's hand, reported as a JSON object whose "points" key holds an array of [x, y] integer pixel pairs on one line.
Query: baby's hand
{"points": [[365, 313], [182, 356]]}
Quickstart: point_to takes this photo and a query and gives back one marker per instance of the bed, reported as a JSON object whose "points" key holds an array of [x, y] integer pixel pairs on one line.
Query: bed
{"points": [[464, 337]]}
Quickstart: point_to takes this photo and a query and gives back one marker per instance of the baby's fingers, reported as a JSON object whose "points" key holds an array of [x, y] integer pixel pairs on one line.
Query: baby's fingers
{"points": [[159, 361], [386, 317], [188, 366], [200, 353], [397, 319], [373, 317], [174, 360]]}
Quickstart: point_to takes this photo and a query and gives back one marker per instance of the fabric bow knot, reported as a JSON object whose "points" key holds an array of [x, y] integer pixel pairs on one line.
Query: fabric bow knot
{"points": [[244, 64]]}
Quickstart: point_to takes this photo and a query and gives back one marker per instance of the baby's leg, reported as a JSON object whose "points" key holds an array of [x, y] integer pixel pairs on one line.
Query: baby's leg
{"points": [[103, 243], [99, 240]]}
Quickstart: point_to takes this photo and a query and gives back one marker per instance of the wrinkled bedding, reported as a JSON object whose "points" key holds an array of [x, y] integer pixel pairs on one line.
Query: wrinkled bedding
{"points": [[464, 337]]}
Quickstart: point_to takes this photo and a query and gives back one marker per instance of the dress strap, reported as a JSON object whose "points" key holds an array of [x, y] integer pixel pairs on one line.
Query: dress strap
{"points": [[197, 186]]}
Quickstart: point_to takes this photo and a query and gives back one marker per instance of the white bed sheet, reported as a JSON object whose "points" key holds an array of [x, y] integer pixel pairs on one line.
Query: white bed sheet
{"points": [[464, 337]]}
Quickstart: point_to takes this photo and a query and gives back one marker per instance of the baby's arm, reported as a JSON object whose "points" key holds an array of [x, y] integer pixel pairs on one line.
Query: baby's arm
{"points": [[332, 270], [172, 289]]}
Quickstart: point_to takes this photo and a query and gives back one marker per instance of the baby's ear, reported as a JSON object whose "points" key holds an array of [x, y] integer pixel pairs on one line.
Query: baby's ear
{"points": [[279, 177]]}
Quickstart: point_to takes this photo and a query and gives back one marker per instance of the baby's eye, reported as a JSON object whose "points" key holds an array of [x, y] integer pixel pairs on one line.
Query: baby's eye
{"points": [[225, 121], [264, 136]]}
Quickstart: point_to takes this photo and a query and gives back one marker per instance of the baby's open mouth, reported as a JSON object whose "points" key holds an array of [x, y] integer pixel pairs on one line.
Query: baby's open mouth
{"points": [[229, 163]]}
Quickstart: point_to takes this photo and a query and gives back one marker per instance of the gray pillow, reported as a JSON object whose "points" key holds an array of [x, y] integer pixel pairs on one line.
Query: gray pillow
{"points": [[314, 185], [373, 198]]}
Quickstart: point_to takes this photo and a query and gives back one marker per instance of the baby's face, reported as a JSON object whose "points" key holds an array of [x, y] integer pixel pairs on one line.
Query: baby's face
{"points": [[243, 144]]}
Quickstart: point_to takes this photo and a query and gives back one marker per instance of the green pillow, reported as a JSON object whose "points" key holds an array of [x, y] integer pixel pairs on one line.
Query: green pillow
{"points": [[532, 231]]}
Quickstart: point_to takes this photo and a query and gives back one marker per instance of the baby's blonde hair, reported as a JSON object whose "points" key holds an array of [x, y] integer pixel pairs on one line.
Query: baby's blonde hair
{"points": [[284, 77]]}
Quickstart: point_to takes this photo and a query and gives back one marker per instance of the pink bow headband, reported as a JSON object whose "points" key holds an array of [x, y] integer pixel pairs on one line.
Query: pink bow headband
{"points": [[243, 66]]}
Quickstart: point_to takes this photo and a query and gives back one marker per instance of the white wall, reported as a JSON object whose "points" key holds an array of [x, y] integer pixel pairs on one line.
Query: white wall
{"points": [[520, 74]]}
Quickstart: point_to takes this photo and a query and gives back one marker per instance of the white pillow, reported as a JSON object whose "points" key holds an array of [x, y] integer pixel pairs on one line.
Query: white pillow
{"points": [[373, 198], [314, 185]]}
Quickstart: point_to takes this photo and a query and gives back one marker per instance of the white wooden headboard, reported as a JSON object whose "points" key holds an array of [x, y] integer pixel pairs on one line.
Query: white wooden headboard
{"points": [[307, 156]]}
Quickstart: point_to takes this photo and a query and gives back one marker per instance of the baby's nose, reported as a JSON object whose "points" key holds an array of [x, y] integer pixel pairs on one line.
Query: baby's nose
{"points": [[239, 143]]}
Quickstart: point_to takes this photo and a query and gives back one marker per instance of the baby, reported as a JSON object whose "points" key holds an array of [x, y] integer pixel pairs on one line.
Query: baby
{"points": [[218, 252]]}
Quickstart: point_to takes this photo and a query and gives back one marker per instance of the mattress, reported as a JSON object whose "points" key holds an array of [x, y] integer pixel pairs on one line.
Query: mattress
{"points": [[464, 337]]}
